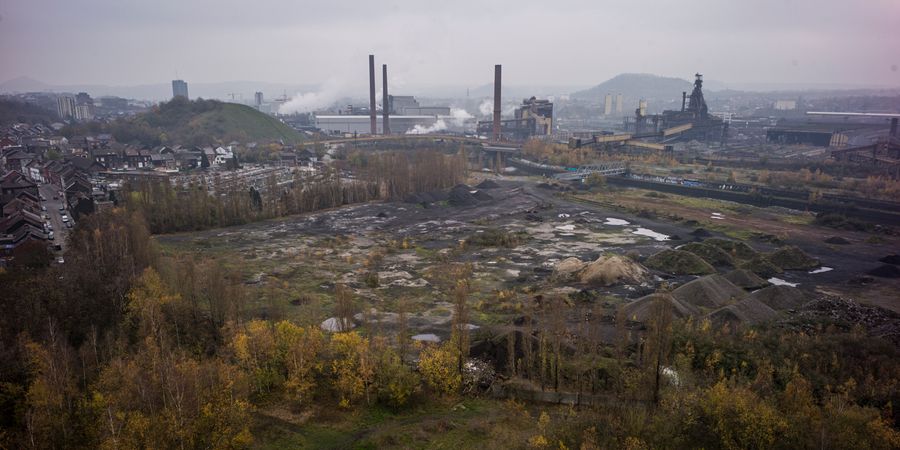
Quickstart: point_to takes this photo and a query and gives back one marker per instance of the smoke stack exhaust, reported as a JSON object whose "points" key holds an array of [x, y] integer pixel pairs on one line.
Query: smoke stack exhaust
{"points": [[385, 103], [372, 117], [497, 70]]}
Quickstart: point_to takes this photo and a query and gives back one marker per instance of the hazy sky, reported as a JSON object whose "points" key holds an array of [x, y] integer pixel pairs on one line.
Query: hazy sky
{"points": [[457, 42]]}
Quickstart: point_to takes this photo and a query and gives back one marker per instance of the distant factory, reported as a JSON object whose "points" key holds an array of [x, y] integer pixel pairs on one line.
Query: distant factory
{"points": [[533, 118], [400, 114], [704, 126]]}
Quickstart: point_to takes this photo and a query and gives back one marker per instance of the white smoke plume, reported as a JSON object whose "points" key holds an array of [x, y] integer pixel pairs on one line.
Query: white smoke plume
{"points": [[306, 102], [459, 116], [486, 108], [440, 125]]}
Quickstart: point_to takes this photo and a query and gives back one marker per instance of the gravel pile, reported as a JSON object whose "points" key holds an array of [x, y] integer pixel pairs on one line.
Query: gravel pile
{"points": [[745, 279], [713, 291], [780, 297]]}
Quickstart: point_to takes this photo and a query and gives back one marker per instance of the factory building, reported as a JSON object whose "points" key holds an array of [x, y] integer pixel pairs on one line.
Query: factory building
{"points": [[407, 105], [533, 118], [694, 111]]}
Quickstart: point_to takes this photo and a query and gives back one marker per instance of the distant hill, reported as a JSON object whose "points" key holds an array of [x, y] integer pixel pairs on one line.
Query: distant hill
{"points": [[198, 122], [634, 86]]}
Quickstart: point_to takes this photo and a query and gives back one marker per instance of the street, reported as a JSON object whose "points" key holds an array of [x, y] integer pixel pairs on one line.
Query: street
{"points": [[60, 231]]}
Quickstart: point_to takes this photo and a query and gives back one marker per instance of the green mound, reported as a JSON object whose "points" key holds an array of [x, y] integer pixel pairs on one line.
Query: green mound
{"points": [[761, 265], [199, 123], [679, 262], [792, 258], [736, 249], [710, 253]]}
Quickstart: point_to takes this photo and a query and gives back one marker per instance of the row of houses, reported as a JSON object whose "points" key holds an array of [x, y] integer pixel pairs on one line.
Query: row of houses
{"points": [[21, 218]]}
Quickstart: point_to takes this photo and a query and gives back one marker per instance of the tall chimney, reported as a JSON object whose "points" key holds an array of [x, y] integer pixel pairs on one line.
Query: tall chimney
{"points": [[683, 99], [894, 127], [385, 103], [372, 117], [497, 69]]}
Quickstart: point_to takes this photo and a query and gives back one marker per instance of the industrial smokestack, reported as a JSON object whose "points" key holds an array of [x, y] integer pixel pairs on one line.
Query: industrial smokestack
{"points": [[894, 127], [497, 70], [372, 117], [683, 99], [385, 103]]}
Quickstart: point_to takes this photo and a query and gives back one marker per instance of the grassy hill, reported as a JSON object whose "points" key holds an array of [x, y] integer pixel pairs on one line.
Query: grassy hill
{"points": [[198, 122]]}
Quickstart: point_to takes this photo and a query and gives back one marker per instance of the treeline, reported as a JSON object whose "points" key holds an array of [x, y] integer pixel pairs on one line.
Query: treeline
{"points": [[383, 176], [123, 347]]}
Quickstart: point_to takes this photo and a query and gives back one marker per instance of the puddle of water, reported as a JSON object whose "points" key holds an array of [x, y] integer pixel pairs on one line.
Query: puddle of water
{"points": [[566, 227], [651, 234], [780, 282], [822, 269], [616, 222], [428, 337]]}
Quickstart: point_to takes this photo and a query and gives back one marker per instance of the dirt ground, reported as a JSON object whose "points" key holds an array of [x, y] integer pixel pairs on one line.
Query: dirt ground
{"points": [[295, 262]]}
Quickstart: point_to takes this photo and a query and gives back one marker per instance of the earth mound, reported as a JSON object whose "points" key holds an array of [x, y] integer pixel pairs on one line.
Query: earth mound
{"points": [[608, 270], [891, 259], [747, 311], [837, 240], [780, 297], [487, 184], [567, 269], [679, 262], [745, 279], [641, 310], [710, 253], [886, 271], [792, 258], [737, 249], [713, 291]]}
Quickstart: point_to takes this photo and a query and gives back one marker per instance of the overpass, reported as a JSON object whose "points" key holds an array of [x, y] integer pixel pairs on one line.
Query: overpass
{"points": [[609, 168]]}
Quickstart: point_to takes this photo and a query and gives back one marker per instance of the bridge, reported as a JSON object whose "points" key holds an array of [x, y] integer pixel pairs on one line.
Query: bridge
{"points": [[610, 168]]}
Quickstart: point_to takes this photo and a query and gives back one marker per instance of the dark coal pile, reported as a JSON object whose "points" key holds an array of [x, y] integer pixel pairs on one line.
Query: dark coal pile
{"points": [[792, 258], [891, 259], [462, 195], [843, 312], [426, 197], [780, 297], [837, 240], [487, 184], [886, 271]]}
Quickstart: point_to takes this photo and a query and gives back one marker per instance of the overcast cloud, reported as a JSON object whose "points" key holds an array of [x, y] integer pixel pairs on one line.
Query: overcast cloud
{"points": [[560, 42]]}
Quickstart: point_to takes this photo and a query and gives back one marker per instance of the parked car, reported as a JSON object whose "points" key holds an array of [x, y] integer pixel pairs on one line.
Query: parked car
{"points": [[49, 226], [50, 236], [69, 224], [43, 208], [60, 260], [65, 218], [62, 209]]}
